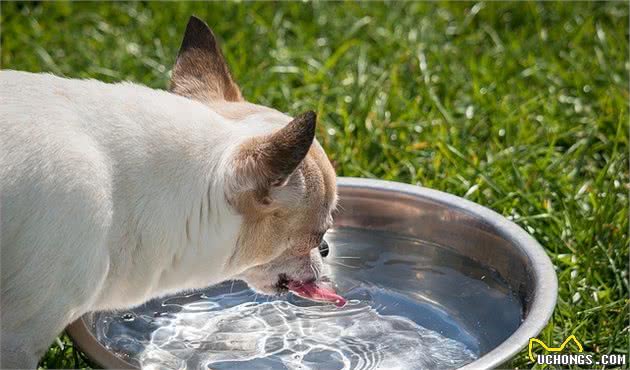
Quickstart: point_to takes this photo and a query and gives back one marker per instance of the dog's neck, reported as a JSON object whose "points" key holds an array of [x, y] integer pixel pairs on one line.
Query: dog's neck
{"points": [[175, 217]]}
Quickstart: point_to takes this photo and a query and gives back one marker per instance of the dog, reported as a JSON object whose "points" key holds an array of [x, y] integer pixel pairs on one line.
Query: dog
{"points": [[114, 194]]}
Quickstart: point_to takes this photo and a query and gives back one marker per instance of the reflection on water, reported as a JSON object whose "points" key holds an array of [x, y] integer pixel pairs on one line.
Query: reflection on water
{"points": [[411, 305]]}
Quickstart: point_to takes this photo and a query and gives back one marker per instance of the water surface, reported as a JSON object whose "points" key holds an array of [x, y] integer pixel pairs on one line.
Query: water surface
{"points": [[412, 305]]}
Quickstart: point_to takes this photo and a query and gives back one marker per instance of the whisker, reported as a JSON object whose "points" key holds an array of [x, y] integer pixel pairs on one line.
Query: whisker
{"points": [[344, 265], [315, 271], [339, 244]]}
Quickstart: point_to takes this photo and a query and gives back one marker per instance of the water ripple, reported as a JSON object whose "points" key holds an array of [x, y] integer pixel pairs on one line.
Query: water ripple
{"points": [[267, 334], [408, 308]]}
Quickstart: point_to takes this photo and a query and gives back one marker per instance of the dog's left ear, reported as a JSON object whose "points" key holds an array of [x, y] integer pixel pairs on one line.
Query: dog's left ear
{"points": [[200, 71], [268, 161]]}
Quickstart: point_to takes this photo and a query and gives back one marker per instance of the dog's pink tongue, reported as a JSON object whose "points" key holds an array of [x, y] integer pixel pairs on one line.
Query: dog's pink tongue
{"points": [[316, 292]]}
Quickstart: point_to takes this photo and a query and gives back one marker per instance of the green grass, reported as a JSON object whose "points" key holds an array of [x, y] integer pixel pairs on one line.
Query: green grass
{"points": [[521, 107]]}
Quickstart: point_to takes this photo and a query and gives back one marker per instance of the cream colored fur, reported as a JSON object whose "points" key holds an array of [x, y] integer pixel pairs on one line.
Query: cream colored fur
{"points": [[110, 194]]}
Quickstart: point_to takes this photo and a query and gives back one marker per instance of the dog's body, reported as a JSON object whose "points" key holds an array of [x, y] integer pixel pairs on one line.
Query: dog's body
{"points": [[99, 185], [112, 194]]}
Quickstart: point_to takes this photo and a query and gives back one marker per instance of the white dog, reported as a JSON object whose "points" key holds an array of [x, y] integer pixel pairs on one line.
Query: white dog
{"points": [[112, 194]]}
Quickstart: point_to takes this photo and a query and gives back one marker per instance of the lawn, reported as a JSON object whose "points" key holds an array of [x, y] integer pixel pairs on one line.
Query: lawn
{"points": [[520, 107]]}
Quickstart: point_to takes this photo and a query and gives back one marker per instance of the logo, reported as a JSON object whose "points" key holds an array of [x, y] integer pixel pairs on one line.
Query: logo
{"points": [[579, 358], [553, 349]]}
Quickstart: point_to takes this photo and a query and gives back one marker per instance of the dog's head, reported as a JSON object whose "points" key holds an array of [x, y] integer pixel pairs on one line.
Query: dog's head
{"points": [[281, 182]]}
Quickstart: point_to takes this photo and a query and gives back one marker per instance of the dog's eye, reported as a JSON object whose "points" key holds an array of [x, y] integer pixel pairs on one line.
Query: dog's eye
{"points": [[323, 248]]}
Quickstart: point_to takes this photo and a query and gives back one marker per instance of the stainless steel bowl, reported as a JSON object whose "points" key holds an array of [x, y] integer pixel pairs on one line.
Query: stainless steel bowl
{"points": [[466, 228]]}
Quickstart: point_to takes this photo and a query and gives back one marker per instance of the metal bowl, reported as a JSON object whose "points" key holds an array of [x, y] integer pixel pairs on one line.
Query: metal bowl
{"points": [[465, 228]]}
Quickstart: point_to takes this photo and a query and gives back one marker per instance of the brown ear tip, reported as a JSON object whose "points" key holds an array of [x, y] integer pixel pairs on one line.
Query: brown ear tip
{"points": [[310, 115], [309, 119], [196, 21], [198, 35], [196, 28]]}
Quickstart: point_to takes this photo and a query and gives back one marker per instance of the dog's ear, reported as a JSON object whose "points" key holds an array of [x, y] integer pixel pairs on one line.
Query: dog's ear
{"points": [[267, 161], [200, 71]]}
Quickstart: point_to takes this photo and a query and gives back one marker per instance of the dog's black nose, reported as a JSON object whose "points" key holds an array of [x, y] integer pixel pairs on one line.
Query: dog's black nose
{"points": [[323, 248]]}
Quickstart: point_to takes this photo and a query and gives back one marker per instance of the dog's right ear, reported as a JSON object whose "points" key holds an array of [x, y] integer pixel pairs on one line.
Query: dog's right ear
{"points": [[200, 71], [265, 162]]}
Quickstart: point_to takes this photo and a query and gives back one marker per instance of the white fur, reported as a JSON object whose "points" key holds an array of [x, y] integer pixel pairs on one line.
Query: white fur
{"points": [[97, 182]]}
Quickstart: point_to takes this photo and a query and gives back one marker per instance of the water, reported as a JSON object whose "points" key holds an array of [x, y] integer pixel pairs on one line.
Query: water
{"points": [[412, 305]]}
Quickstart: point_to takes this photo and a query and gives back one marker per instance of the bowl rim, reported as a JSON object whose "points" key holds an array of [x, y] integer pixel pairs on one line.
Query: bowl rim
{"points": [[544, 293]]}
